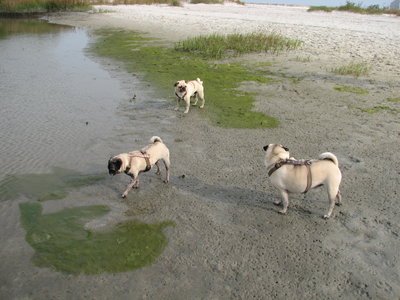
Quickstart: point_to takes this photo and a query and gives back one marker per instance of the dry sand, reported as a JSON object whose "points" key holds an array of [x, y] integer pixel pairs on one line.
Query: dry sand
{"points": [[230, 242]]}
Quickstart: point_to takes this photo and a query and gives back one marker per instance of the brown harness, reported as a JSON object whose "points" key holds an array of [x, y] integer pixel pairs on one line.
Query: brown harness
{"points": [[146, 157], [183, 96], [288, 161]]}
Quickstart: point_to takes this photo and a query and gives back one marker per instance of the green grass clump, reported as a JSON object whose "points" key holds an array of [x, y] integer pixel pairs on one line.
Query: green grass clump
{"points": [[207, 1], [348, 89], [357, 8], [62, 243], [162, 66], [355, 69], [176, 3], [220, 46], [320, 8], [395, 99]]}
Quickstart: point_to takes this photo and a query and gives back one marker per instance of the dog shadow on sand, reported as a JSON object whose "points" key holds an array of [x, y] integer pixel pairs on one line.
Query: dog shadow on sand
{"points": [[152, 187]]}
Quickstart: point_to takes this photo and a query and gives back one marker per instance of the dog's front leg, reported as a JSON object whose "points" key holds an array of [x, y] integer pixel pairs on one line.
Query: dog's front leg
{"points": [[134, 180], [284, 201], [187, 99], [178, 103]]}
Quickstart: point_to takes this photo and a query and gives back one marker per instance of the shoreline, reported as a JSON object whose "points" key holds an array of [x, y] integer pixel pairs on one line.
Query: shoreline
{"points": [[230, 242]]}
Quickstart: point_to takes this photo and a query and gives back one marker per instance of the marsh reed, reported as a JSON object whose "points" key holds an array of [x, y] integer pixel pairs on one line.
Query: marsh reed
{"points": [[37, 6], [219, 46], [353, 68]]}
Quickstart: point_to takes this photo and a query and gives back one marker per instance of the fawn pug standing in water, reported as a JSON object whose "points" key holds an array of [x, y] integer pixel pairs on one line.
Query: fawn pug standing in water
{"points": [[288, 175], [186, 89], [137, 162]]}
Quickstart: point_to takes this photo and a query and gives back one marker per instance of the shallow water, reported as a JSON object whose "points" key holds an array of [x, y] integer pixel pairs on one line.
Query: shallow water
{"points": [[63, 114], [56, 103]]}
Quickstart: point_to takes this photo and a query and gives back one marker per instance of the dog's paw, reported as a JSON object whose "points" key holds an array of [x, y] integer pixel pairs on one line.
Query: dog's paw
{"points": [[282, 212], [175, 109], [202, 106], [278, 202], [123, 195], [186, 111], [326, 217], [166, 181]]}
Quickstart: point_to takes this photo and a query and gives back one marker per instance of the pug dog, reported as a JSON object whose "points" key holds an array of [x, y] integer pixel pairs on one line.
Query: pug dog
{"points": [[137, 162], [186, 89], [289, 175]]}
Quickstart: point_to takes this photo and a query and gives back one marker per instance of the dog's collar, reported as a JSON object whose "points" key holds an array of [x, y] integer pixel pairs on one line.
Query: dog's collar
{"points": [[183, 96], [145, 156]]}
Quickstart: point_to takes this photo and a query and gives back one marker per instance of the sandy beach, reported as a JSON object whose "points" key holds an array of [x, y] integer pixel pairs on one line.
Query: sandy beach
{"points": [[230, 242]]}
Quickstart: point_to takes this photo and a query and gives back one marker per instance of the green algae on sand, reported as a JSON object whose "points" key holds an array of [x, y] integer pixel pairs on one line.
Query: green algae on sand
{"points": [[61, 241], [162, 66]]}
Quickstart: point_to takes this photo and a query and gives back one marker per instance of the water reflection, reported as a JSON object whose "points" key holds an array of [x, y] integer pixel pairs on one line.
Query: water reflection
{"points": [[22, 25], [58, 106]]}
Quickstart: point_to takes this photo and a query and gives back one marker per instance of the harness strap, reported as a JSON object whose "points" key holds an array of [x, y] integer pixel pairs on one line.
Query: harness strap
{"points": [[146, 157], [309, 179], [306, 163], [183, 96]]}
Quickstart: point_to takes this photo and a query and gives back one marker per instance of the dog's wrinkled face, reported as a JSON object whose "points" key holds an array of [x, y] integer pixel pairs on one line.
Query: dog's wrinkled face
{"points": [[180, 86], [114, 165], [275, 152]]}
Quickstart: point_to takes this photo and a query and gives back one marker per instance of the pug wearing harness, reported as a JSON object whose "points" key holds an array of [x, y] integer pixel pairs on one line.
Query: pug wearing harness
{"points": [[186, 89], [137, 162], [288, 175]]}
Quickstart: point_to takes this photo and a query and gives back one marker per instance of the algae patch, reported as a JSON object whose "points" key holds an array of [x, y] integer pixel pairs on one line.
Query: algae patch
{"points": [[378, 108], [44, 187], [354, 90], [61, 242], [162, 66]]}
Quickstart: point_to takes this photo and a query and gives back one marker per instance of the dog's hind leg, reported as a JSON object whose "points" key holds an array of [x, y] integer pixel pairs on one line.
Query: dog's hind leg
{"points": [[332, 194], [158, 167], [339, 198], [202, 101], [195, 99], [167, 165], [284, 201]]}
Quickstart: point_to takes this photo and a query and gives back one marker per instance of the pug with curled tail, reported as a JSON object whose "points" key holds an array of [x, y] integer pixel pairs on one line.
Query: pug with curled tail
{"points": [[186, 89], [137, 162], [289, 175]]}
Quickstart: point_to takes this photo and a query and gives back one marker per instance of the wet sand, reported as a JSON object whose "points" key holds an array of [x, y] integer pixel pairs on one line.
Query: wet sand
{"points": [[230, 242]]}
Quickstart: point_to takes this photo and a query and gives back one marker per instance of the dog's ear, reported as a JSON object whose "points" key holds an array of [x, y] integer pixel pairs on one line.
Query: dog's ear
{"points": [[286, 149], [176, 83], [265, 148]]}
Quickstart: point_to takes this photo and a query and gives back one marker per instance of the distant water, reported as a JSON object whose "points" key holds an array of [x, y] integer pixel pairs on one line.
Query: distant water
{"points": [[57, 107]]}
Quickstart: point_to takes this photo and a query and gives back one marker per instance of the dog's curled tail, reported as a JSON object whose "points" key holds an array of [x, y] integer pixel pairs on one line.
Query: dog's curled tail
{"points": [[329, 156], [155, 139], [199, 81]]}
